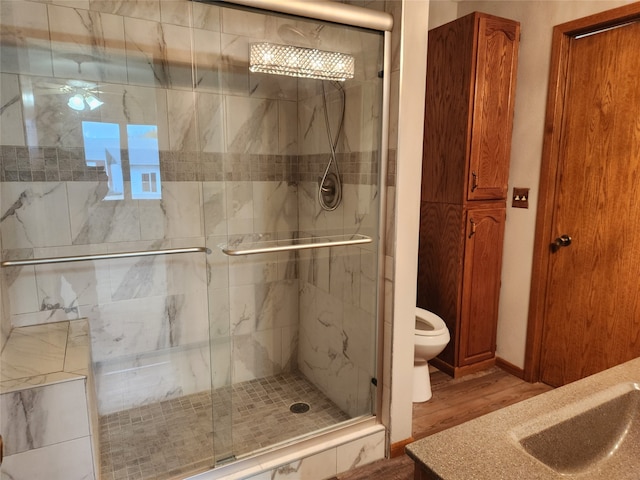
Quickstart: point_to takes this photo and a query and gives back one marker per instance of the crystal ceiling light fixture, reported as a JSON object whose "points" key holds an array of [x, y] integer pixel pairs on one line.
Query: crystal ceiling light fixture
{"points": [[300, 62]]}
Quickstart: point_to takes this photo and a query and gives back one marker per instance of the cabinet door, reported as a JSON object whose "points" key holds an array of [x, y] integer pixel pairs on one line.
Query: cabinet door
{"points": [[448, 99], [496, 61], [481, 283]]}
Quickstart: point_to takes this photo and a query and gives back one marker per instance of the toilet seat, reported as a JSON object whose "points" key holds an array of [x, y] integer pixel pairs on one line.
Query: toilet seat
{"points": [[428, 324]]}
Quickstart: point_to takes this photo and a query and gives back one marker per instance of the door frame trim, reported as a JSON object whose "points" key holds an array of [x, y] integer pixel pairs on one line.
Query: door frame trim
{"points": [[544, 230]]}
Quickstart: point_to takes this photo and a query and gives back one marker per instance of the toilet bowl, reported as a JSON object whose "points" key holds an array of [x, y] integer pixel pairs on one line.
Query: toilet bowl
{"points": [[430, 337]]}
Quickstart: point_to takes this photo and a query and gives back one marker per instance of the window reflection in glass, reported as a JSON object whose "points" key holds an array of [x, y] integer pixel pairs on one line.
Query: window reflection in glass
{"points": [[102, 149], [144, 161]]}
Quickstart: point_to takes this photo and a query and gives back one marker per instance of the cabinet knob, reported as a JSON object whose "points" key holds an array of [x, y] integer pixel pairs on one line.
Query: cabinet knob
{"points": [[472, 229]]}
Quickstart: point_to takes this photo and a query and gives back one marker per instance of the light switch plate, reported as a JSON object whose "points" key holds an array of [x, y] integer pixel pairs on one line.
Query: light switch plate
{"points": [[520, 197]]}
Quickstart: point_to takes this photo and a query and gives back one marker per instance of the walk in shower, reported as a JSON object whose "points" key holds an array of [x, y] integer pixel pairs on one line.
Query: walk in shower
{"points": [[198, 224]]}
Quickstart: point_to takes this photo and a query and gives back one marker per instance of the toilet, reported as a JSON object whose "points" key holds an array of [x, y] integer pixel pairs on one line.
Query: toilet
{"points": [[430, 337]]}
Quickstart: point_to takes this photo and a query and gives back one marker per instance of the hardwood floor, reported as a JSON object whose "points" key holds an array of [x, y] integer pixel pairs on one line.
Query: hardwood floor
{"points": [[454, 401]]}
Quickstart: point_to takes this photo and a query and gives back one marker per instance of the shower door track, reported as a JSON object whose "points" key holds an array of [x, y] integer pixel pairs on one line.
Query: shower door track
{"points": [[102, 256], [302, 244]]}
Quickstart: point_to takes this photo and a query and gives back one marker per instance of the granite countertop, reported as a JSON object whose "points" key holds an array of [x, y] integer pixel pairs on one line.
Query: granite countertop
{"points": [[488, 447]]}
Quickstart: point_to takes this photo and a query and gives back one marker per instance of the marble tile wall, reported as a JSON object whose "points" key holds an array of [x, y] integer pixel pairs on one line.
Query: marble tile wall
{"points": [[143, 310], [338, 299], [68, 460], [230, 152], [49, 415], [185, 71]]}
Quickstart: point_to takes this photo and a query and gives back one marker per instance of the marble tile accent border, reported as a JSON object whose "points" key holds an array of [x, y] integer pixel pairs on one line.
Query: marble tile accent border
{"points": [[51, 164], [34, 164], [357, 168]]}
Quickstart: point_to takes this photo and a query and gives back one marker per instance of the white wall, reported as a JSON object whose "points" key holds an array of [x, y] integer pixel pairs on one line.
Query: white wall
{"points": [[537, 20], [412, 68]]}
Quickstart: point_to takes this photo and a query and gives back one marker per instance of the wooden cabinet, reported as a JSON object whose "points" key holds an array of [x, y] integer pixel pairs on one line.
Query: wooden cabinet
{"points": [[471, 71]]}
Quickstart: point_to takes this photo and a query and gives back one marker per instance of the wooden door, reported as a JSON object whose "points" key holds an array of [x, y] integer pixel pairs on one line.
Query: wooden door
{"points": [[585, 295], [481, 283]]}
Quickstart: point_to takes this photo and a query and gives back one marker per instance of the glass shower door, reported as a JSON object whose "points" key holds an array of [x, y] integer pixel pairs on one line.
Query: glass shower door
{"points": [[100, 157], [293, 331], [136, 129]]}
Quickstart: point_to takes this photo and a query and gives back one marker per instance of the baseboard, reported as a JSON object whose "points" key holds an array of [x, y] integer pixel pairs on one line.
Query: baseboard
{"points": [[510, 368], [397, 449], [457, 372], [474, 367]]}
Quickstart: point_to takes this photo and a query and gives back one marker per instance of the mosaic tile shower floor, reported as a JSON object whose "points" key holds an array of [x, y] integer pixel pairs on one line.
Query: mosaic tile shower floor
{"points": [[173, 438]]}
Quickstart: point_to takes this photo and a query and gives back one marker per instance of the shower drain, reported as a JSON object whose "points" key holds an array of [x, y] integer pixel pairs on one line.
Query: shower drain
{"points": [[299, 407]]}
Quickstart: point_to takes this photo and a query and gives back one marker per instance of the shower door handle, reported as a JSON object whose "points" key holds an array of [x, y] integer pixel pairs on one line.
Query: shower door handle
{"points": [[296, 244], [102, 256]]}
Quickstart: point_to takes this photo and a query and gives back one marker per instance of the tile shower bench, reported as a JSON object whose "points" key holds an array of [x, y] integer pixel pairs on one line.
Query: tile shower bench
{"points": [[47, 406]]}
